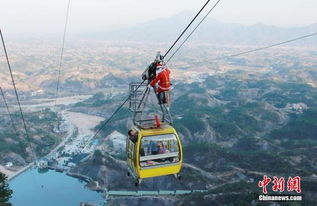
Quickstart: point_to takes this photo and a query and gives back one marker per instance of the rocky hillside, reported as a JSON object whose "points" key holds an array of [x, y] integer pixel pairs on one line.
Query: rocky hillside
{"points": [[234, 131], [44, 135]]}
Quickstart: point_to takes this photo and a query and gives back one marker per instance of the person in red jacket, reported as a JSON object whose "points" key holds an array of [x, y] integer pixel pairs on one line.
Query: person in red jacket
{"points": [[163, 80]]}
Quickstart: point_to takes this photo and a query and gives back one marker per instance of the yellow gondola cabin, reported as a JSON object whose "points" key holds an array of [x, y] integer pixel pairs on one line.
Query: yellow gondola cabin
{"points": [[154, 151]]}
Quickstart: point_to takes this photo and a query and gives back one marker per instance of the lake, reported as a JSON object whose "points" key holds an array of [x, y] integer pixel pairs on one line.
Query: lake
{"points": [[50, 188]]}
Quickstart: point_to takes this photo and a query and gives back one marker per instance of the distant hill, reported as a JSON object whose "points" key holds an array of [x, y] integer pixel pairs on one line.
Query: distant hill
{"points": [[235, 128], [211, 31]]}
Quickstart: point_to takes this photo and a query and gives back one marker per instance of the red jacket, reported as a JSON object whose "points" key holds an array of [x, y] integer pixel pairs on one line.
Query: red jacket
{"points": [[163, 79]]}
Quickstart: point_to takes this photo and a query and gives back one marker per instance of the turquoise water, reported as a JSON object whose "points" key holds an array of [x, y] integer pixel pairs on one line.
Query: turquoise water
{"points": [[95, 142], [50, 188]]}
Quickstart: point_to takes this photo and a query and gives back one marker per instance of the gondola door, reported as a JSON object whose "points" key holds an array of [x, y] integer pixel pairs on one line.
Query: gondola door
{"points": [[130, 151]]}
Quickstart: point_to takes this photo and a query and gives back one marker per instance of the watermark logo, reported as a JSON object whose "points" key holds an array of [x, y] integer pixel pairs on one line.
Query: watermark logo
{"points": [[293, 184], [264, 183], [279, 184]]}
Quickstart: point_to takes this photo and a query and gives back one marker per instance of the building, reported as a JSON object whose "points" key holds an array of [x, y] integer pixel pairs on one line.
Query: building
{"points": [[9, 164], [117, 141], [43, 163]]}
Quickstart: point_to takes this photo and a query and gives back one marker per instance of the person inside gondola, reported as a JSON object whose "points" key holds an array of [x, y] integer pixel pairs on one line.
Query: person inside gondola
{"points": [[133, 135], [152, 149], [161, 148], [142, 153]]}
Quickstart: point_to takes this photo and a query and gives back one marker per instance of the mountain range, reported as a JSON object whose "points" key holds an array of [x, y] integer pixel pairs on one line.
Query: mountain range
{"points": [[211, 31]]}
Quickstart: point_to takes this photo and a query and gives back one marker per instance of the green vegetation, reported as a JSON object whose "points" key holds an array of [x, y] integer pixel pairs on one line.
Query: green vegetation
{"points": [[5, 192], [237, 199], [119, 123], [300, 127], [42, 138], [228, 123], [121, 156], [253, 160], [98, 100], [240, 186], [17, 145], [191, 122]]}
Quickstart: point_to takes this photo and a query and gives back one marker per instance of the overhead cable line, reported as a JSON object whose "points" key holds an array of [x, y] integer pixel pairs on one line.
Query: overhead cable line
{"points": [[259, 49], [262, 48], [117, 110], [201, 21], [266, 47], [6, 104], [186, 28], [16, 92], [123, 103], [11, 119], [62, 53]]}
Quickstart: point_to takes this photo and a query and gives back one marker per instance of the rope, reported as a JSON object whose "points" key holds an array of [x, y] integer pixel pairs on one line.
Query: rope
{"points": [[117, 110]]}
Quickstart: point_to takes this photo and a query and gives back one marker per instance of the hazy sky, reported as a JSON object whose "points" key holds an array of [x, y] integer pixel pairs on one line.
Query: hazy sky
{"points": [[41, 16]]}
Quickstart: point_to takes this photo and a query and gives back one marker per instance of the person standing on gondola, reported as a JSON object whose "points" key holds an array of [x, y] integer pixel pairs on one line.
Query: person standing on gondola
{"points": [[162, 82]]}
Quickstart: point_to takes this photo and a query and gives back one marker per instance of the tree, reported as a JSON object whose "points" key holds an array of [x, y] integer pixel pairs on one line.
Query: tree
{"points": [[5, 191]]}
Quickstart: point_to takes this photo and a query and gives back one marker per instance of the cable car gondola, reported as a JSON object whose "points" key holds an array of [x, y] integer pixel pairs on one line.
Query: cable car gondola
{"points": [[154, 151], [153, 147]]}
